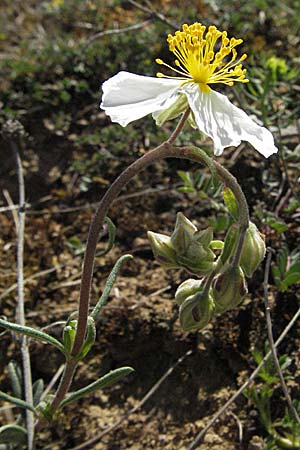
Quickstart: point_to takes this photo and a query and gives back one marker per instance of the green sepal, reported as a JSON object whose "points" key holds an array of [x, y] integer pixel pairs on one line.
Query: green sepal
{"points": [[254, 250], [13, 434], [196, 311], [231, 203], [33, 333], [216, 245], [108, 379], [229, 289]]}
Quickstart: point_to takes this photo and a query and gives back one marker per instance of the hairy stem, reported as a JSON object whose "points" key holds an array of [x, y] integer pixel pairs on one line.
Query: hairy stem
{"points": [[165, 150], [88, 264], [179, 127]]}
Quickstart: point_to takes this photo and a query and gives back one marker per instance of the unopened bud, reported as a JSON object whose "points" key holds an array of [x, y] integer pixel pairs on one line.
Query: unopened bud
{"points": [[254, 250], [204, 237], [229, 289], [183, 234], [162, 250], [192, 246], [197, 259], [186, 289], [196, 311]]}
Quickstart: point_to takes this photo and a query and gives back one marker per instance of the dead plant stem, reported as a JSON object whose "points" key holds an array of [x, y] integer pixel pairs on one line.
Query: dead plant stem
{"points": [[271, 340], [224, 408], [27, 376]]}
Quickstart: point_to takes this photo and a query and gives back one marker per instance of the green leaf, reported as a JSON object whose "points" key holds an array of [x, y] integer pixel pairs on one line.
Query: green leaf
{"points": [[294, 268], [290, 279], [13, 434], [186, 189], [111, 236], [75, 244], [69, 334], [109, 284], [89, 340], [108, 379], [276, 274], [32, 332], [231, 203], [15, 375], [16, 401], [276, 223], [282, 259], [186, 177], [38, 389]]}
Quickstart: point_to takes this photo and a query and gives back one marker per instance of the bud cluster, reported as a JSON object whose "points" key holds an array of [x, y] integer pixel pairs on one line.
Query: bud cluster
{"points": [[191, 249], [186, 248]]}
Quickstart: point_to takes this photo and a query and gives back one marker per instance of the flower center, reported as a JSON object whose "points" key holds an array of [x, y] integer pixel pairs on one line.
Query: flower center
{"points": [[205, 56]]}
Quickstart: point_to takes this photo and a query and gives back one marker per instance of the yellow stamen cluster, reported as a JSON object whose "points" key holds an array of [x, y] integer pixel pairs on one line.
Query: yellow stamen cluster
{"points": [[205, 56]]}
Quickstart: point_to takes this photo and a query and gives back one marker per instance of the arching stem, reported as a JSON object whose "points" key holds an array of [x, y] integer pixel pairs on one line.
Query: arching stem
{"points": [[165, 150]]}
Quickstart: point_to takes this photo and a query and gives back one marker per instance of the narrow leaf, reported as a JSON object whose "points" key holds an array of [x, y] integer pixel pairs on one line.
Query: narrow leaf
{"points": [[15, 375], [16, 401], [109, 284], [290, 279], [89, 340], [111, 236], [32, 332], [37, 388], [186, 177], [106, 380]]}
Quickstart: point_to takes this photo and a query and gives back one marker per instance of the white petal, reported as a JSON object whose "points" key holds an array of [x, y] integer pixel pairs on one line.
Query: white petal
{"points": [[226, 124], [127, 97]]}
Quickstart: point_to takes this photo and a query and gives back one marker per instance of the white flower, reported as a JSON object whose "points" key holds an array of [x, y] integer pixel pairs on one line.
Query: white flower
{"points": [[128, 97]]}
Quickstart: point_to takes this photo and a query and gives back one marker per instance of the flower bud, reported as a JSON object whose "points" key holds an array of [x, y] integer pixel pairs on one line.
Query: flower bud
{"points": [[254, 250], [183, 234], [162, 250], [196, 311], [229, 289], [204, 237], [186, 289], [192, 246], [197, 259]]}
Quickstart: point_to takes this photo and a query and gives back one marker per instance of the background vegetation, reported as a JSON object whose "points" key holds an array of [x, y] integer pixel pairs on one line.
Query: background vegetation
{"points": [[54, 57]]}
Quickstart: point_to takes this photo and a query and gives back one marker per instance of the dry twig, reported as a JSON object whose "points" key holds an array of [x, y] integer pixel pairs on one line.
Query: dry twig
{"points": [[271, 340], [224, 408]]}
